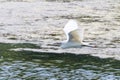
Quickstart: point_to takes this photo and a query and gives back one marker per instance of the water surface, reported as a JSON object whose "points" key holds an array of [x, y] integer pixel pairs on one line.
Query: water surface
{"points": [[27, 65], [102, 15]]}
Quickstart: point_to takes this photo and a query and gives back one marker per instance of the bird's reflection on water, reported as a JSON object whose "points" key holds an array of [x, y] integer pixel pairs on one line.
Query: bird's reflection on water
{"points": [[41, 66]]}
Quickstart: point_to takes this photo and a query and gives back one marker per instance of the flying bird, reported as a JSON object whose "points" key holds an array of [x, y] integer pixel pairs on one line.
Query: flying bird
{"points": [[74, 34]]}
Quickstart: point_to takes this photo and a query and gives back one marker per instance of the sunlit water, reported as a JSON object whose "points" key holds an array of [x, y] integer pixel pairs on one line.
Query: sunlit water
{"points": [[26, 65]]}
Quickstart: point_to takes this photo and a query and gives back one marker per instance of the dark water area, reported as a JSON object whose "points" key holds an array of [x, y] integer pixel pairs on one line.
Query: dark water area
{"points": [[27, 65]]}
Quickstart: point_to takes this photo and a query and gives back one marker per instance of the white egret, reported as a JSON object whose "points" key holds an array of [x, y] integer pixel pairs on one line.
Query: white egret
{"points": [[74, 34]]}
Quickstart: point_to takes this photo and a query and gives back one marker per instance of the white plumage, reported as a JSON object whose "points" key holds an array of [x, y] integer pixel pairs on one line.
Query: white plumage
{"points": [[74, 35]]}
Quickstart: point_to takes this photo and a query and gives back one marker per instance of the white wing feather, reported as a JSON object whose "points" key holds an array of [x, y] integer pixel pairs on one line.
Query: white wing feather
{"points": [[70, 26]]}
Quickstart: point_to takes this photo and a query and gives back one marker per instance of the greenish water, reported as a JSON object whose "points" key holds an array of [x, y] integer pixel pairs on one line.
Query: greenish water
{"points": [[26, 65]]}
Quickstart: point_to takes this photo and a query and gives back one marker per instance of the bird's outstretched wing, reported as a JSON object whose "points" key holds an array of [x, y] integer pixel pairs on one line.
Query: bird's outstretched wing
{"points": [[70, 26], [73, 32], [76, 36]]}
